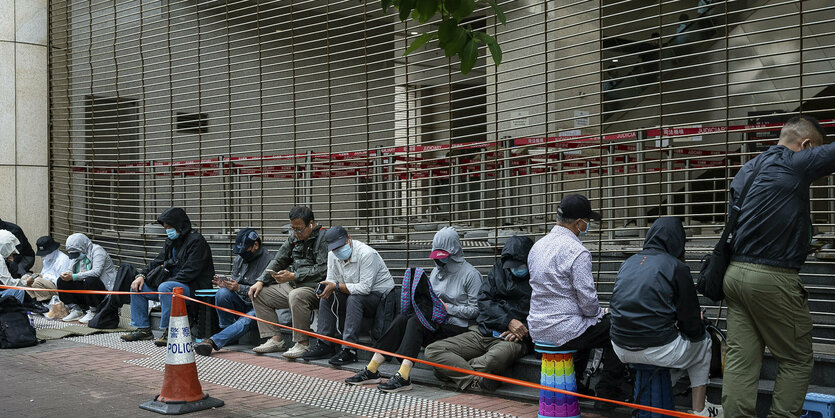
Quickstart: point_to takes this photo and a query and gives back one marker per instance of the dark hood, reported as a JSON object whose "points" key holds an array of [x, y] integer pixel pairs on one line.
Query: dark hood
{"points": [[667, 234], [517, 249], [177, 218]]}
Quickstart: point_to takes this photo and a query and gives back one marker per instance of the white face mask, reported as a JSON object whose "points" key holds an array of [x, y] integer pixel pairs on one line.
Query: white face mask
{"points": [[586, 231]]}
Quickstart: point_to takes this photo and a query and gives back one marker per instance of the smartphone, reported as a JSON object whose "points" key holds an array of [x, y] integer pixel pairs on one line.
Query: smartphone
{"points": [[320, 288], [497, 334], [271, 271]]}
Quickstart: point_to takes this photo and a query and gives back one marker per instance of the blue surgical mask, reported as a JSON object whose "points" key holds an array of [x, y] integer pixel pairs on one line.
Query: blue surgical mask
{"points": [[343, 253], [586, 231], [172, 233], [520, 271]]}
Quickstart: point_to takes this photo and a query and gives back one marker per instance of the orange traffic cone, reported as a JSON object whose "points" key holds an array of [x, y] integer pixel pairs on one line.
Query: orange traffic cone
{"points": [[181, 391]]}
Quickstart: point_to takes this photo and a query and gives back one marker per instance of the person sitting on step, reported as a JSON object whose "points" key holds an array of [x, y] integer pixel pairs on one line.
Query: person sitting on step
{"points": [[187, 263], [55, 262], [90, 269], [357, 287], [430, 310], [251, 258]]}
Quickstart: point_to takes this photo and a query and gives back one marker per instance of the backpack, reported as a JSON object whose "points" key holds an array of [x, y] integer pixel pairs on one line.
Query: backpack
{"points": [[719, 349], [107, 316], [15, 329]]}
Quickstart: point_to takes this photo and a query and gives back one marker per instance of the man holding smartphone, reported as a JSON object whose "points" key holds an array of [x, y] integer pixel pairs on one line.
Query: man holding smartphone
{"points": [[251, 258], [356, 287], [290, 281]]}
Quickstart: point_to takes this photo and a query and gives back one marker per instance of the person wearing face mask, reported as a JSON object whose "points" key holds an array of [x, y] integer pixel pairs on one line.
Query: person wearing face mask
{"points": [[356, 287], [8, 244], [565, 311], [251, 258], [290, 281], [55, 262], [187, 257], [455, 284], [767, 303], [24, 258], [502, 336], [90, 269]]}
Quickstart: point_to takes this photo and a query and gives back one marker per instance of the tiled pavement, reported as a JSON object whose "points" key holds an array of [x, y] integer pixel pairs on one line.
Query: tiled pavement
{"points": [[100, 375]]}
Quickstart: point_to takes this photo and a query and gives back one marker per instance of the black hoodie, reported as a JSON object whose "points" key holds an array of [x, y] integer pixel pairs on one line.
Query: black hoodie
{"points": [[504, 296], [194, 266], [654, 298]]}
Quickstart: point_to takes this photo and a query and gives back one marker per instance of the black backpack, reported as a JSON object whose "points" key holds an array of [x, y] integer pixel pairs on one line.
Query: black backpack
{"points": [[107, 316], [15, 329]]}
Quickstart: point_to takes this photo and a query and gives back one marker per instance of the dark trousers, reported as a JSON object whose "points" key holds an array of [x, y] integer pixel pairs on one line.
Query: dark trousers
{"points": [[350, 309], [597, 336], [80, 299], [406, 335]]}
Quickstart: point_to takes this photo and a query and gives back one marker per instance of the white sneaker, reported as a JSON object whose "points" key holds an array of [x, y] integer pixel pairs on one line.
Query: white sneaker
{"points": [[711, 410], [271, 346], [75, 315], [297, 351], [86, 318]]}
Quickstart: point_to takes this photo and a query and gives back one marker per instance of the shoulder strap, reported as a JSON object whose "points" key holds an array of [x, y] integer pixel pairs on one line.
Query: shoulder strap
{"points": [[736, 206]]}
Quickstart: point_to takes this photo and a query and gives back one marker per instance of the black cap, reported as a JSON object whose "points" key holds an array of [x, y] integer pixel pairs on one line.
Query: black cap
{"points": [[576, 206], [336, 237], [46, 245], [244, 239]]}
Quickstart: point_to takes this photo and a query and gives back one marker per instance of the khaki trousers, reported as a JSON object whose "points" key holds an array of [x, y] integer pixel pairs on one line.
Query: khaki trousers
{"points": [[301, 301], [767, 307], [41, 283], [473, 351]]}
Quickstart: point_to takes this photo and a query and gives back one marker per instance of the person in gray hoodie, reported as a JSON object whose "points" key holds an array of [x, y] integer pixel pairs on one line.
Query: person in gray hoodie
{"points": [[90, 269], [456, 283]]}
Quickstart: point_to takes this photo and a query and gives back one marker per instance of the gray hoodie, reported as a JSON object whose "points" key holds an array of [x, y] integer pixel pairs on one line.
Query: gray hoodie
{"points": [[456, 283], [101, 264]]}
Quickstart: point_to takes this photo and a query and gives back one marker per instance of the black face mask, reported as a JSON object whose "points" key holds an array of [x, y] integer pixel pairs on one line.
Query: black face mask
{"points": [[247, 256], [73, 255], [439, 263]]}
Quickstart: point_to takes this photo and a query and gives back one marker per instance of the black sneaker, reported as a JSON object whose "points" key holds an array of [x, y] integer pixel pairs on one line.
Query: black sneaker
{"points": [[364, 377], [345, 356], [162, 341], [488, 385], [138, 335], [396, 384], [322, 350], [204, 348]]}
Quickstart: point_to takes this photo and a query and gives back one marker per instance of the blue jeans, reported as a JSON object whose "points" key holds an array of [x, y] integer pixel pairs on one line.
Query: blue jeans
{"points": [[139, 304], [233, 326], [17, 293]]}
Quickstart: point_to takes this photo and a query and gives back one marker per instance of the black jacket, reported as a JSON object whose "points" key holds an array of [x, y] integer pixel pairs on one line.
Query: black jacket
{"points": [[774, 226], [654, 290], [25, 259], [195, 266], [504, 296]]}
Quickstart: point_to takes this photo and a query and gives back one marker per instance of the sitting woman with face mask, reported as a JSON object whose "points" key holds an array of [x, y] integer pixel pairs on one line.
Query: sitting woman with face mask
{"points": [[453, 290], [90, 269]]}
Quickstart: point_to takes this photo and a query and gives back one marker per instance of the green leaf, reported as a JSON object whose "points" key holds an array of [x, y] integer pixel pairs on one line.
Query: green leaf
{"points": [[459, 39], [492, 45], [406, 7], [426, 9], [464, 10], [450, 5], [419, 42], [498, 11], [468, 56], [386, 4], [446, 31]]}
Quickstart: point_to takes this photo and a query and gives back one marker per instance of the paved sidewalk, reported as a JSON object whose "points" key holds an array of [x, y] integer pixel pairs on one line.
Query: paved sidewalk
{"points": [[102, 376]]}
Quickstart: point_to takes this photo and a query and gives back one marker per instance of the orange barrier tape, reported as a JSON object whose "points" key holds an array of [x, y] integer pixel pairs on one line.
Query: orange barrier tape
{"points": [[375, 350], [87, 292], [443, 366]]}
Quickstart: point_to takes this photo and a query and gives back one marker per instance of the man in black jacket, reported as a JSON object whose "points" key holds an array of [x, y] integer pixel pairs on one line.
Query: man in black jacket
{"points": [[502, 336], [656, 318], [767, 304], [25, 257], [187, 257]]}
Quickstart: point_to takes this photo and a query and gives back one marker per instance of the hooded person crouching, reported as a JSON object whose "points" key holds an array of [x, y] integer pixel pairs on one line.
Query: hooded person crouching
{"points": [[90, 269], [187, 261]]}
